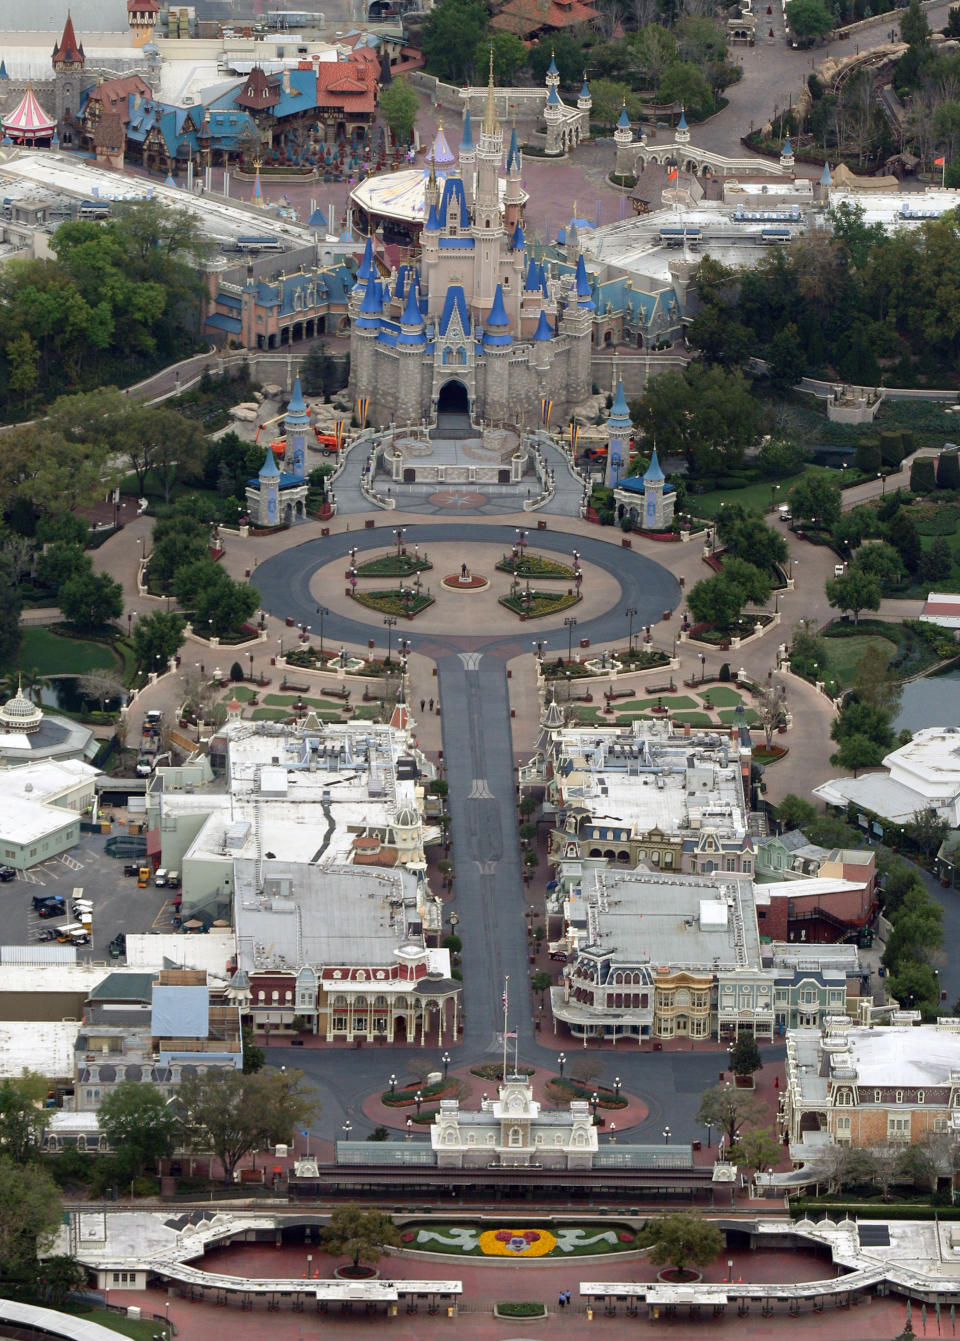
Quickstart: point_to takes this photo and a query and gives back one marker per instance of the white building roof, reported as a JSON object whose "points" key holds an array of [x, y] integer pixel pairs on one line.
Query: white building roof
{"points": [[801, 889], [46, 1046], [24, 822], [897, 1055], [158, 950], [47, 778]]}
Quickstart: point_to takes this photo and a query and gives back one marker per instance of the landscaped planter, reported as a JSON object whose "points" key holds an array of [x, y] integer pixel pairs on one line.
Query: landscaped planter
{"points": [[520, 1312], [351, 1272]]}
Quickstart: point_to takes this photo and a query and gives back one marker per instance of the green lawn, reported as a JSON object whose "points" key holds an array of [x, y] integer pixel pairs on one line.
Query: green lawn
{"points": [[141, 1329], [693, 718], [241, 692], [662, 700], [756, 496], [727, 716], [281, 701], [722, 696], [843, 654], [50, 654]]}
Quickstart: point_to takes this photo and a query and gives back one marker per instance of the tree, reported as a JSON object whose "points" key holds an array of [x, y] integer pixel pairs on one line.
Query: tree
{"points": [[22, 1120], [684, 83], [856, 591], [880, 688], [914, 984], [858, 751], [905, 539], [681, 1237], [729, 1109], [399, 106], [157, 638], [225, 604], [881, 561], [778, 458], [816, 498], [867, 458], [809, 18], [236, 672], [237, 1113], [652, 50], [808, 652], [747, 536], [927, 830], [772, 710], [752, 581], [914, 28], [10, 606], [450, 37], [757, 1149], [60, 562], [360, 1234], [90, 600], [923, 478], [609, 97], [786, 357], [509, 57], [745, 1057], [30, 1213], [254, 1058], [138, 1123], [704, 413], [948, 470], [936, 563], [316, 370], [716, 601], [541, 982], [952, 28], [794, 812], [102, 685], [56, 1278]]}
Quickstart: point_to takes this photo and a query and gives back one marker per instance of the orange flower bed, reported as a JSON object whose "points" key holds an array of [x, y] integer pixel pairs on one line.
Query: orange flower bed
{"points": [[516, 1242]]}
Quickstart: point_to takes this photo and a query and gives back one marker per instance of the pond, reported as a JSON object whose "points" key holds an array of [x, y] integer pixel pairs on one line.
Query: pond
{"points": [[932, 701], [65, 693]]}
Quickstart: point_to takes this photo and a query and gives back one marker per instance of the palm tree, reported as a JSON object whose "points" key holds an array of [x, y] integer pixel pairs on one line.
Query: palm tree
{"points": [[30, 682]]}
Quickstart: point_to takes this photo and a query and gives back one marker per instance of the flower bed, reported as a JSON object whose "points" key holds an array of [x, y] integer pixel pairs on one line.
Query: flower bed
{"points": [[535, 565], [392, 565], [562, 1091], [520, 1309], [519, 1241], [539, 603], [392, 603]]}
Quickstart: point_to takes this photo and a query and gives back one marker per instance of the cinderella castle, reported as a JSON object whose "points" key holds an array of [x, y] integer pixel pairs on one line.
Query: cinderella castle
{"points": [[479, 328]]}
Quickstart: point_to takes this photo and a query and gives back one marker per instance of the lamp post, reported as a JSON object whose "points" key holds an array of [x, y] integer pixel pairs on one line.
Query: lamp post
{"points": [[703, 667], [390, 623], [796, 575], [630, 612], [613, 1133], [418, 1100], [709, 1135], [446, 1065], [666, 1136], [321, 611], [561, 1062], [347, 1129], [398, 532], [250, 659], [393, 1085], [617, 1082], [595, 1099], [571, 623], [409, 1129], [538, 649]]}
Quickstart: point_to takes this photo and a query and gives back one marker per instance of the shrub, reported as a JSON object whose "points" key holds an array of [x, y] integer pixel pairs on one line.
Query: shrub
{"points": [[923, 480], [522, 1309], [891, 446], [948, 471], [236, 672], [724, 675]]}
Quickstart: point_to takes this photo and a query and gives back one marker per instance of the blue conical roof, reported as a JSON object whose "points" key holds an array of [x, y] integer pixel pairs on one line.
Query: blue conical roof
{"points": [[583, 283], [682, 123], [653, 471], [297, 404], [518, 242], [411, 312], [466, 139], [552, 67], [623, 121], [372, 300], [585, 90], [532, 281], [366, 265], [498, 313], [618, 415], [786, 146], [318, 219], [544, 330], [826, 179], [269, 468], [513, 153], [3, 70], [552, 98], [433, 221]]}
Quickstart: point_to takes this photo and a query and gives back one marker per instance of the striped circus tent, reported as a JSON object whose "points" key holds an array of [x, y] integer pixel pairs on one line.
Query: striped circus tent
{"points": [[28, 121]]}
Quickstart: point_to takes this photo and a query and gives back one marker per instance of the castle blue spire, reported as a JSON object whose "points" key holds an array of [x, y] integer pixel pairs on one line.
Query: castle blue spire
{"points": [[826, 179], [3, 70], [366, 265], [532, 281], [497, 322], [682, 123], [269, 469], [623, 121], [372, 304], [553, 99], [513, 153], [786, 146], [544, 330], [433, 221], [412, 320], [518, 242], [552, 67], [584, 295], [618, 416], [466, 139], [585, 90], [653, 471], [297, 404]]}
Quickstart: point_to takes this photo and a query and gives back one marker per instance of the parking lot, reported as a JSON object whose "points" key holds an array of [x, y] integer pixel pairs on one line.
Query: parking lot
{"points": [[118, 903]]}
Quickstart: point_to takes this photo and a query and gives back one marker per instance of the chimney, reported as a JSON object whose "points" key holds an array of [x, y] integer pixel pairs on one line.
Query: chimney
{"points": [[286, 80]]}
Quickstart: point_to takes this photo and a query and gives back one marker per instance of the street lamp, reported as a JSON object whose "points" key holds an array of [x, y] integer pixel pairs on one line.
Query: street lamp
{"points": [[666, 1136], [398, 532], [393, 1086], [613, 1133], [796, 578], [709, 1135], [250, 659], [418, 1100], [703, 667], [571, 623], [409, 1129], [630, 611], [561, 1062], [538, 649], [616, 1087], [347, 1129], [595, 1099], [321, 611], [390, 622], [446, 1063]]}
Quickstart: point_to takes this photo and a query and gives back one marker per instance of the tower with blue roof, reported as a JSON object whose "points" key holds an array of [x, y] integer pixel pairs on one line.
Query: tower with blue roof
{"points": [[297, 424], [264, 507], [467, 158], [619, 432], [623, 138], [648, 500]]}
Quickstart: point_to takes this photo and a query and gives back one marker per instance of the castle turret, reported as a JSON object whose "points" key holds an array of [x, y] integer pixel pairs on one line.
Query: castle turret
{"points": [[553, 115], [142, 17], [486, 214], [468, 160], [513, 196], [682, 133], [410, 344], [584, 101], [497, 344], [68, 65], [297, 424], [552, 77], [267, 504], [619, 429], [540, 357], [786, 155], [623, 138], [577, 322]]}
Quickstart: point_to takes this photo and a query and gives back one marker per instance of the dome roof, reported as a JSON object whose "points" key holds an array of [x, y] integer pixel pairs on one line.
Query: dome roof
{"points": [[407, 818], [19, 714]]}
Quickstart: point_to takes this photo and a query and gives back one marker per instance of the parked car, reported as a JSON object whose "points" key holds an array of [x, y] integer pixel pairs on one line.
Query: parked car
{"points": [[160, 879], [49, 905], [131, 868], [7, 873]]}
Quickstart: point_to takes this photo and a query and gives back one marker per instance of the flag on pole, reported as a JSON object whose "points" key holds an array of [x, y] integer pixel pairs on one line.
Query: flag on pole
{"points": [[939, 162], [672, 175]]}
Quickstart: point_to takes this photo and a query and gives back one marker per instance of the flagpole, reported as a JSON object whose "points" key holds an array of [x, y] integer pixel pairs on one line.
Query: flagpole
{"points": [[506, 996]]}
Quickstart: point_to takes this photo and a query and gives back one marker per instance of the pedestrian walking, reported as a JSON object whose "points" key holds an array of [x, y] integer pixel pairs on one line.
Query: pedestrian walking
{"points": [[423, 704], [431, 705], [561, 1299], [567, 1296]]}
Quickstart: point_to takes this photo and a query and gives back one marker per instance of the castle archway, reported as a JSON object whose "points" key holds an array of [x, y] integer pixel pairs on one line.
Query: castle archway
{"points": [[453, 398]]}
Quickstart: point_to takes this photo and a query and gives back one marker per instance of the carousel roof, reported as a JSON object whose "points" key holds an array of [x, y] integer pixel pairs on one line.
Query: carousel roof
{"points": [[28, 118]]}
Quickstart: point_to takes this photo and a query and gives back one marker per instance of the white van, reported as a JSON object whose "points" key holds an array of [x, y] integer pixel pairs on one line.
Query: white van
{"points": [[160, 879]]}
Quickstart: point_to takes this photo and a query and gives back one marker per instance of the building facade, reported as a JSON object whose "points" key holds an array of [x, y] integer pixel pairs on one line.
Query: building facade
{"points": [[513, 1131]]}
